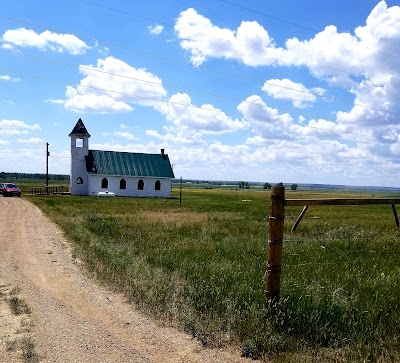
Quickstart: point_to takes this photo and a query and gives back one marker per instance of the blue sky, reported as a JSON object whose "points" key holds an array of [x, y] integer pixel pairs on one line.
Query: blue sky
{"points": [[279, 90]]}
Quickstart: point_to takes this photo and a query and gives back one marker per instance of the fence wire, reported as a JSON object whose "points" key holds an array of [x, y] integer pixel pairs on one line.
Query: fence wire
{"points": [[341, 258]]}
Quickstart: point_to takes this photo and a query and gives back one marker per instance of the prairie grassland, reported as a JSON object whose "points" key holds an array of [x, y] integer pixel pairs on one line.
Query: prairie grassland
{"points": [[201, 267]]}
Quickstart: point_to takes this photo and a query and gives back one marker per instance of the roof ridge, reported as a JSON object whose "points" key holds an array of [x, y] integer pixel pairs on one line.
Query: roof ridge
{"points": [[126, 152]]}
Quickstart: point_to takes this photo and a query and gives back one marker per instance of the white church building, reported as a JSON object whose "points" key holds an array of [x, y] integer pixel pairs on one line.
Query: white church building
{"points": [[122, 173]]}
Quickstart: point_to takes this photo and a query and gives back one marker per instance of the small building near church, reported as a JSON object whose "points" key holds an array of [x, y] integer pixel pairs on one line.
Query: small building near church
{"points": [[122, 173]]}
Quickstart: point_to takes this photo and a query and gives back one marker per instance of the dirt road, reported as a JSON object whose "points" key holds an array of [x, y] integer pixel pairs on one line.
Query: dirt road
{"points": [[69, 317]]}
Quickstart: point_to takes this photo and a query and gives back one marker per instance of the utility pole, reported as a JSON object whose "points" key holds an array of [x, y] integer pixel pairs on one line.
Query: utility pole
{"points": [[180, 193], [47, 166]]}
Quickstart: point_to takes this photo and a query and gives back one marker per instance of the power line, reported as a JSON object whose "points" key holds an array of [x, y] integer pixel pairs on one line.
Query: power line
{"points": [[256, 48], [187, 105], [269, 16], [66, 64], [155, 55], [162, 22], [295, 24], [219, 38], [329, 130], [203, 67], [59, 157]]}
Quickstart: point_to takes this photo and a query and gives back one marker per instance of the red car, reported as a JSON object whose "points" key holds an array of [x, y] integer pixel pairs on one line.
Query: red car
{"points": [[9, 189]]}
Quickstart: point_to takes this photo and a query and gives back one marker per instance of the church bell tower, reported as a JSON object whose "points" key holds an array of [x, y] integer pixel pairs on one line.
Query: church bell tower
{"points": [[79, 150]]}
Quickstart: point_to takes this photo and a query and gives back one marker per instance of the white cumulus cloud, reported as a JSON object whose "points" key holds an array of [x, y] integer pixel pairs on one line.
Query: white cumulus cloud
{"points": [[6, 77], [297, 93], [32, 140], [265, 120], [362, 61], [125, 135], [113, 86], [250, 42], [16, 127], [156, 29], [46, 40], [205, 119]]}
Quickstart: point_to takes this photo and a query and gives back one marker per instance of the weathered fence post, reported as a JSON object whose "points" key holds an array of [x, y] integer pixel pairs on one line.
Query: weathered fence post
{"points": [[276, 224]]}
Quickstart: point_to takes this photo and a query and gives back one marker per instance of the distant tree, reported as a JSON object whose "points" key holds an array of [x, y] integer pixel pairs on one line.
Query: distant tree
{"points": [[294, 187], [244, 185], [267, 186], [35, 176]]}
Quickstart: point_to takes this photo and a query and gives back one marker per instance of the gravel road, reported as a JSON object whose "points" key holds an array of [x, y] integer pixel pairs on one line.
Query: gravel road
{"points": [[71, 318]]}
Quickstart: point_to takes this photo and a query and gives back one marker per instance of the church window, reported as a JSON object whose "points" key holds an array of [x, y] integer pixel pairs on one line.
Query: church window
{"points": [[157, 185], [122, 184], [141, 184], [79, 181], [79, 143], [104, 183]]}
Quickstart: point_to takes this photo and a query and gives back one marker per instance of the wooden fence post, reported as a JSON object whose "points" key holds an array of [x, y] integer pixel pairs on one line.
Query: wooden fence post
{"points": [[276, 224]]}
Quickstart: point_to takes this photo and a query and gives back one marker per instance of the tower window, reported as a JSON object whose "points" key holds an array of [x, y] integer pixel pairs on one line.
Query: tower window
{"points": [[79, 181], [104, 183], [79, 143]]}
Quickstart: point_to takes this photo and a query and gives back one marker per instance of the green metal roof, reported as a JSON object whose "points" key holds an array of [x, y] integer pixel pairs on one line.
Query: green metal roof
{"points": [[128, 164]]}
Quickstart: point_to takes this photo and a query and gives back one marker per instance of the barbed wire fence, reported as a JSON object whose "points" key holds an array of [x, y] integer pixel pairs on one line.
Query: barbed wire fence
{"points": [[278, 213]]}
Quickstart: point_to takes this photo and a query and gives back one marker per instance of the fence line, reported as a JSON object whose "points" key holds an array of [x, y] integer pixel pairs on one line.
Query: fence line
{"points": [[45, 190], [342, 201], [276, 224]]}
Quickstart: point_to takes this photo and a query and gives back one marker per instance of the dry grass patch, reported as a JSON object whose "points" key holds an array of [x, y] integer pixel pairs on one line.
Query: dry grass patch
{"points": [[15, 323], [174, 218], [180, 218]]}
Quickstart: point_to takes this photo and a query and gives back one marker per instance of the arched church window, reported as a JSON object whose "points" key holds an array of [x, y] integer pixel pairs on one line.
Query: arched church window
{"points": [[104, 183], [79, 181], [122, 184], [140, 184], [157, 185]]}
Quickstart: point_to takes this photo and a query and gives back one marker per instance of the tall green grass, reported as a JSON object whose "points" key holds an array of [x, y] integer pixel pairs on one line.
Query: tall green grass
{"points": [[201, 266]]}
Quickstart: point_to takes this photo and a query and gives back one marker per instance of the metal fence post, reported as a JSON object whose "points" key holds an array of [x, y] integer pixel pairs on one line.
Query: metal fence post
{"points": [[276, 224]]}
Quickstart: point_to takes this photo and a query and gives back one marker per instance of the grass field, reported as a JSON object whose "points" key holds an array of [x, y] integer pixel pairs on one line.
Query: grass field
{"points": [[201, 267]]}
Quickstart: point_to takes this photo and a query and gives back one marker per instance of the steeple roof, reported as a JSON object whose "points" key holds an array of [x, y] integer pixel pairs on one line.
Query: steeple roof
{"points": [[80, 129]]}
